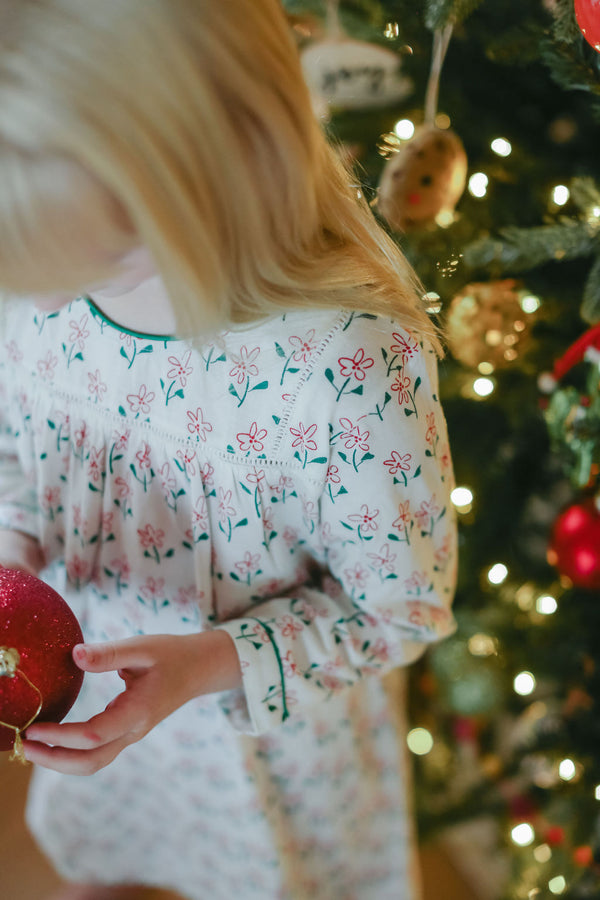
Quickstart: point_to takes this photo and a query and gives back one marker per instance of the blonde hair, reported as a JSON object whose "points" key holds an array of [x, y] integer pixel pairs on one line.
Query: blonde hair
{"points": [[184, 125]]}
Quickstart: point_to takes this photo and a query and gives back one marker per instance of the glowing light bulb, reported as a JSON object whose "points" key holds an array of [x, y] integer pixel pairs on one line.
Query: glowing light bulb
{"points": [[523, 835], [391, 30], [483, 387], [404, 129], [420, 741], [478, 184], [462, 497], [524, 684], [501, 147], [530, 303], [567, 769], [557, 885], [561, 194], [543, 853], [546, 605], [442, 120], [497, 574], [486, 368], [597, 792]]}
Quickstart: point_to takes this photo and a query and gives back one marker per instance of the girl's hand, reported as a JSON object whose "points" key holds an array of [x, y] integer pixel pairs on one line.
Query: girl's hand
{"points": [[161, 673], [20, 551]]}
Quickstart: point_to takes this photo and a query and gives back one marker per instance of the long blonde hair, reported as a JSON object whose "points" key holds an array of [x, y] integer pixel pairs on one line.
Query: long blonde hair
{"points": [[185, 125]]}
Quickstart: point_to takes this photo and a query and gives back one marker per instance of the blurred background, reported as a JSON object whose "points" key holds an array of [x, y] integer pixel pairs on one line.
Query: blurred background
{"points": [[474, 130]]}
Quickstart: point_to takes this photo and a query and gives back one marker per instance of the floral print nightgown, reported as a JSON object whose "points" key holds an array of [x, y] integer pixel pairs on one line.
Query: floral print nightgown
{"points": [[289, 483]]}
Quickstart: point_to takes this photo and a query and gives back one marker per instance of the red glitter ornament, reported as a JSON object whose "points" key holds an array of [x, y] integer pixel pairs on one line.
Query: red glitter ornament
{"points": [[587, 13], [575, 544], [38, 677]]}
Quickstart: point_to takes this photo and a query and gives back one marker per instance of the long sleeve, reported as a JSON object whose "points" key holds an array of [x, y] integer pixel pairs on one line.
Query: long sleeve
{"points": [[382, 519], [18, 500]]}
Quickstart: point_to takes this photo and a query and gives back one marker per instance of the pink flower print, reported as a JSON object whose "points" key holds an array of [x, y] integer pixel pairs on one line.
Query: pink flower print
{"points": [[180, 368], [356, 577], [14, 353], [167, 480], [380, 650], [143, 456], [304, 346], [140, 402], [197, 425], [121, 567], [47, 365], [188, 596], [79, 332], [406, 346], [333, 475], [124, 489], [77, 569], [402, 384], [309, 510], [207, 471], [365, 518], [96, 386], [431, 433], [267, 518], [96, 464], [261, 633], [106, 522], [304, 437], [417, 582], [445, 458], [397, 463], [50, 497], [121, 439], [77, 520], [200, 515], [249, 564], [356, 365], [353, 437], [253, 439], [289, 626], [187, 458], [244, 364], [290, 536], [284, 484], [81, 436], [442, 554], [290, 667], [403, 520], [257, 477], [225, 510], [153, 588], [427, 511], [383, 561], [151, 537]]}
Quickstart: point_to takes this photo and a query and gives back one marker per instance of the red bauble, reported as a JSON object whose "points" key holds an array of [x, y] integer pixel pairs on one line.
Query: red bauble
{"points": [[36, 623], [575, 544], [587, 13]]}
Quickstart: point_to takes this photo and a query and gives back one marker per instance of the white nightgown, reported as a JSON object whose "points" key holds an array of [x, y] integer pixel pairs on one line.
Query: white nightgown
{"points": [[289, 483]]}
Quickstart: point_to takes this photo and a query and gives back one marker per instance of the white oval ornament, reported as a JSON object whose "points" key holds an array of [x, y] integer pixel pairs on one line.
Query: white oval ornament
{"points": [[354, 74]]}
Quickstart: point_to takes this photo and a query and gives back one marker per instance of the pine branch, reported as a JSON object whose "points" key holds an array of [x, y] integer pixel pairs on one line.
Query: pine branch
{"points": [[520, 249], [590, 307]]}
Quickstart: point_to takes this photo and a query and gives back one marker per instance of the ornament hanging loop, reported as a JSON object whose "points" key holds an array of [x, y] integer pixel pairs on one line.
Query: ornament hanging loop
{"points": [[9, 668], [441, 40]]}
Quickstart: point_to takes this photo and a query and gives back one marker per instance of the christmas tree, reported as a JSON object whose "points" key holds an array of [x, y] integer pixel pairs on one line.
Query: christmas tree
{"points": [[474, 131]]}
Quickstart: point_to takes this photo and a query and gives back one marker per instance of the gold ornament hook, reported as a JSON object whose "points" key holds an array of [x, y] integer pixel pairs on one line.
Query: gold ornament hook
{"points": [[9, 668]]}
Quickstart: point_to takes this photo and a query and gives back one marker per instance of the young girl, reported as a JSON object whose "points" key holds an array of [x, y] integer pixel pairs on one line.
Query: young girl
{"points": [[223, 445]]}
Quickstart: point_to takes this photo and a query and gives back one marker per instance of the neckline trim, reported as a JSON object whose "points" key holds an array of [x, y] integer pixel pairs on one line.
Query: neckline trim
{"points": [[99, 314]]}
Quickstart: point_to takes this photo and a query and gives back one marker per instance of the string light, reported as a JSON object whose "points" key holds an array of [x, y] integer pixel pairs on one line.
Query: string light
{"points": [[543, 853], [597, 792], [442, 121], [486, 368], [462, 499], [557, 885], [567, 769], [497, 573], [523, 834], [561, 194], [501, 147], [391, 31], [530, 303], [404, 129], [478, 184], [483, 387], [482, 645], [524, 684], [546, 605], [420, 741]]}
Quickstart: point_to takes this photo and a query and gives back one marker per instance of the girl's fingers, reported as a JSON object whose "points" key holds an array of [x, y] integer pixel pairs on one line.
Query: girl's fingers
{"points": [[111, 656], [72, 762]]}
